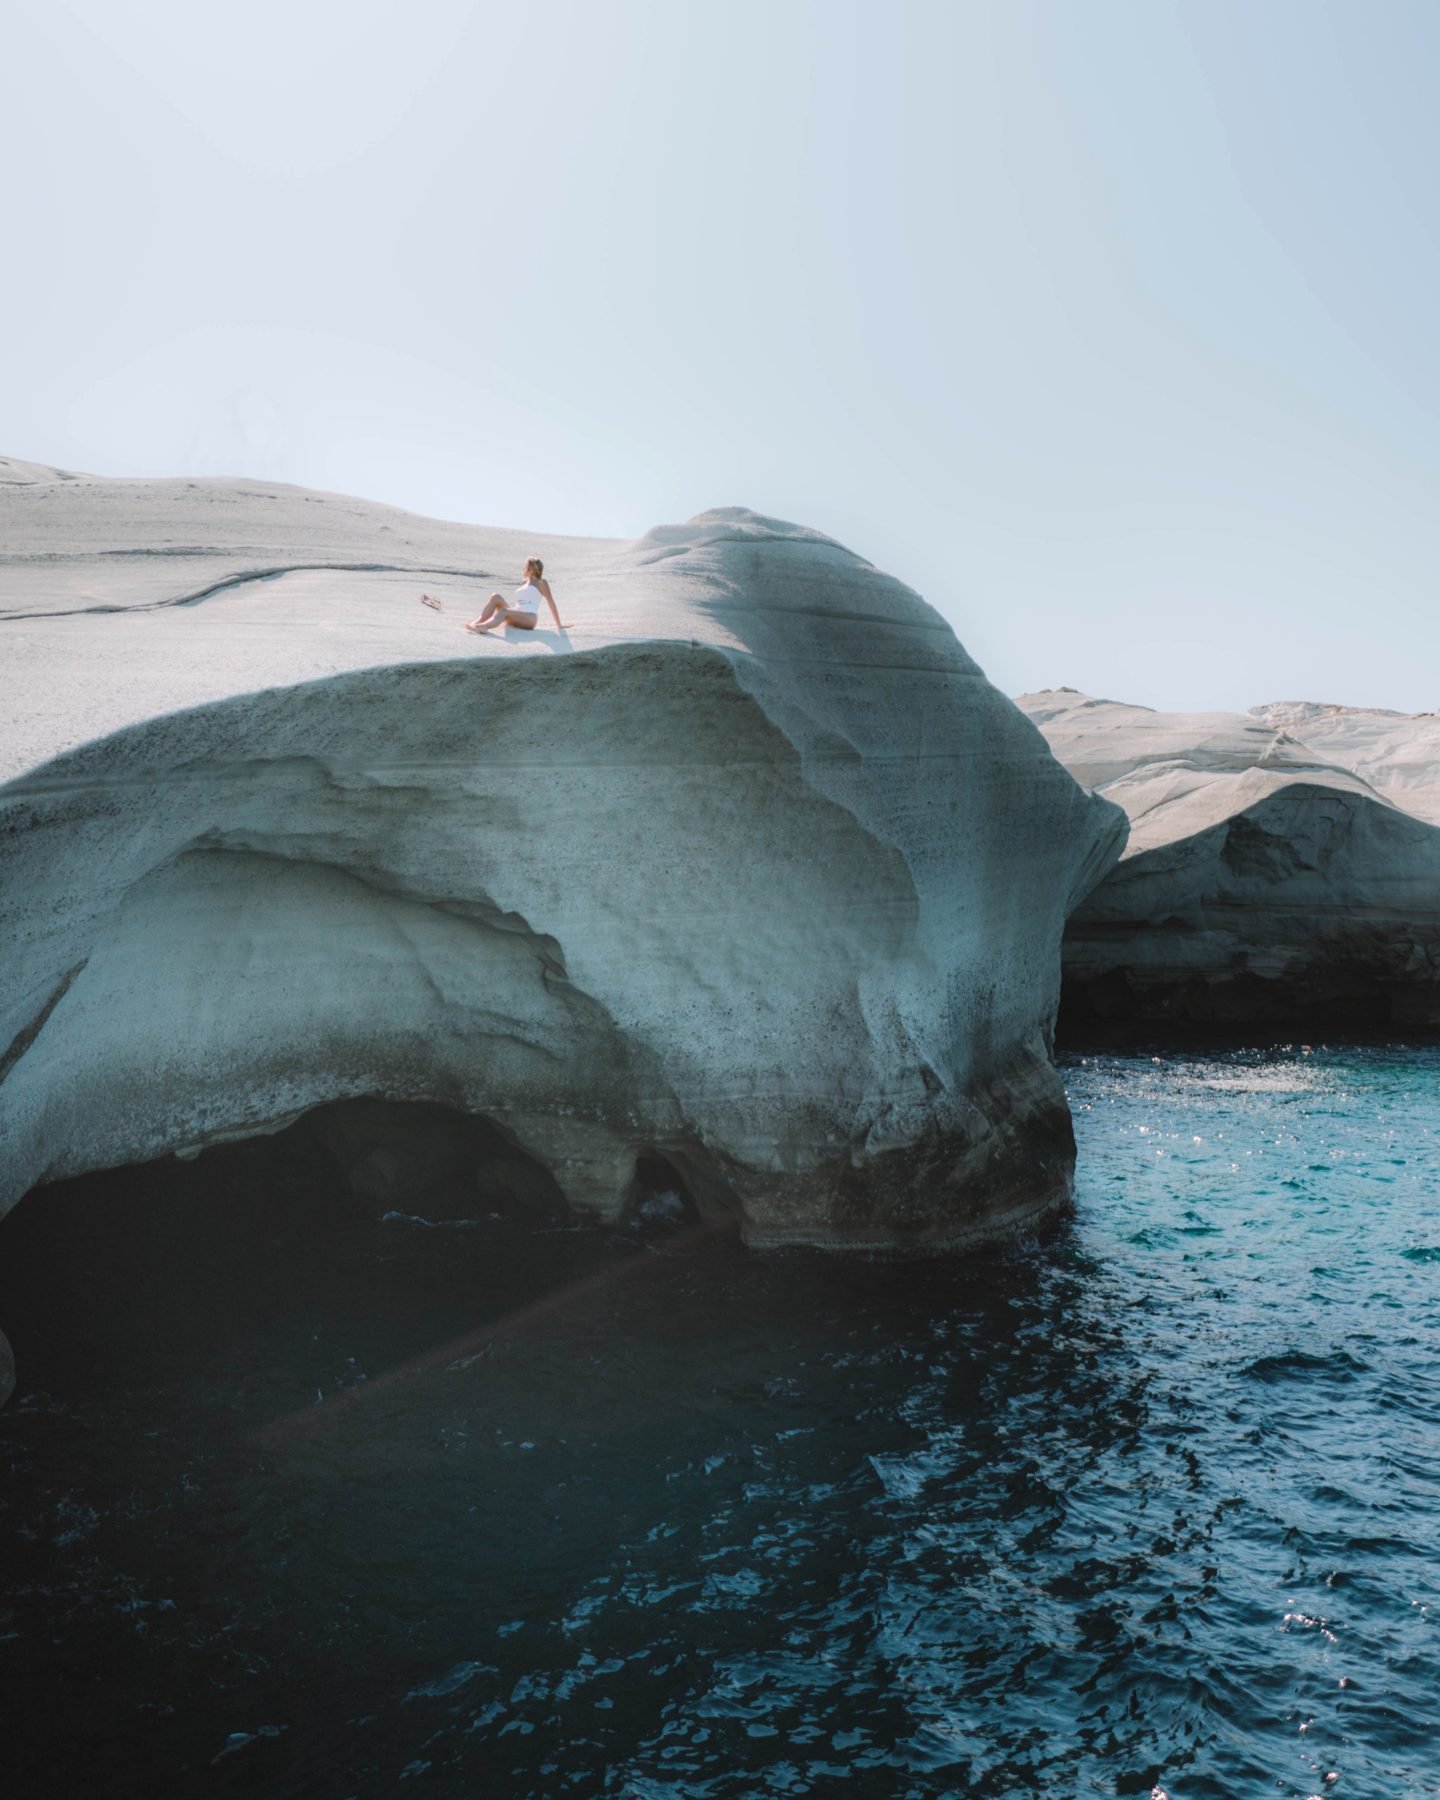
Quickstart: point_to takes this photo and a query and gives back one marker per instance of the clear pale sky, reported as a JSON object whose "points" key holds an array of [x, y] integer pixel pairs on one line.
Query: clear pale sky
{"points": [[1110, 326]]}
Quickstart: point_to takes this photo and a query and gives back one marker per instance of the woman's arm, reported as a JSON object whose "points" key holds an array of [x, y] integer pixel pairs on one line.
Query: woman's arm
{"points": [[550, 602]]}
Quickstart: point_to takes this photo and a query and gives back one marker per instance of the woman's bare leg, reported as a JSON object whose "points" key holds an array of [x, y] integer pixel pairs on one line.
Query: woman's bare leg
{"points": [[494, 614]]}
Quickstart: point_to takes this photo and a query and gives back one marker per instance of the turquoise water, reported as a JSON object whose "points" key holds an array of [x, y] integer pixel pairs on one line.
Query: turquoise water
{"points": [[305, 1505]]}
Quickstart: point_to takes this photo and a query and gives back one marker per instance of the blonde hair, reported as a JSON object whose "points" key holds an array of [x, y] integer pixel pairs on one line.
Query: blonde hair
{"points": [[534, 566]]}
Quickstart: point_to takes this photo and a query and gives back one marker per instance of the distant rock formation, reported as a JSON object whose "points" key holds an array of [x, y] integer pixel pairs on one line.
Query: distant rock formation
{"points": [[1397, 753], [749, 888], [1282, 865]]}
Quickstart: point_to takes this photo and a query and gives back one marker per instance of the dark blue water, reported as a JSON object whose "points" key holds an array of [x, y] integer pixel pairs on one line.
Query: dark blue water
{"points": [[300, 1505]]}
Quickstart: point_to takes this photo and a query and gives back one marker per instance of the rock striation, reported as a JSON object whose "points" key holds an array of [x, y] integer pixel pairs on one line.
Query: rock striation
{"points": [[1282, 865], [748, 878]]}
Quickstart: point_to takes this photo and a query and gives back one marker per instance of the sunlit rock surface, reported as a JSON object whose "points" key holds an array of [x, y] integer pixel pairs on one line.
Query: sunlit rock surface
{"points": [[1398, 754], [1282, 864], [749, 876]]}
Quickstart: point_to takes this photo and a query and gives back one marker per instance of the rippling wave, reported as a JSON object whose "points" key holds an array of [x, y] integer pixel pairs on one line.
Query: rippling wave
{"points": [[306, 1506]]}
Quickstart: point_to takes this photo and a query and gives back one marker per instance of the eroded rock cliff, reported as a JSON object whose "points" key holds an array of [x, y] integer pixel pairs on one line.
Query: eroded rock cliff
{"points": [[751, 871], [1282, 865]]}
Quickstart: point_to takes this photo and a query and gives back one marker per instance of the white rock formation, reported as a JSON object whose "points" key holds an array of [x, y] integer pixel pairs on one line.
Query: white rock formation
{"points": [[750, 870], [1281, 865], [1397, 753]]}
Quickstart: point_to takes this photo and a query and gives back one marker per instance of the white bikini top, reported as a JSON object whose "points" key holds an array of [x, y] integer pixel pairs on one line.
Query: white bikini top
{"points": [[527, 598]]}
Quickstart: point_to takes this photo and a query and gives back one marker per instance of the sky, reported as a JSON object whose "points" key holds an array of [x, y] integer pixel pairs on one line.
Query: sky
{"points": [[1109, 327]]}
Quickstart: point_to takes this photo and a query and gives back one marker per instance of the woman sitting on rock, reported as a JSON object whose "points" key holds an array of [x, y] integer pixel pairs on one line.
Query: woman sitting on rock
{"points": [[524, 609]]}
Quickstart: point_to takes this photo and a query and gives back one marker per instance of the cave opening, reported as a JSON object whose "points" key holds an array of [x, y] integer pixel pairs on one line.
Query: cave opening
{"points": [[393, 1226], [659, 1196], [427, 1161], [349, 1223]]}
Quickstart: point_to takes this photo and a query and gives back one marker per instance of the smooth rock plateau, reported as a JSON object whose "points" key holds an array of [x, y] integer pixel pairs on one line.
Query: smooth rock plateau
{"points": [[1283, 865], [747, 885]]}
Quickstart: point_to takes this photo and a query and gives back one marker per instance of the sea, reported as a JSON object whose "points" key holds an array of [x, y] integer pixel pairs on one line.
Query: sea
{"points": [[296, 1502]]}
